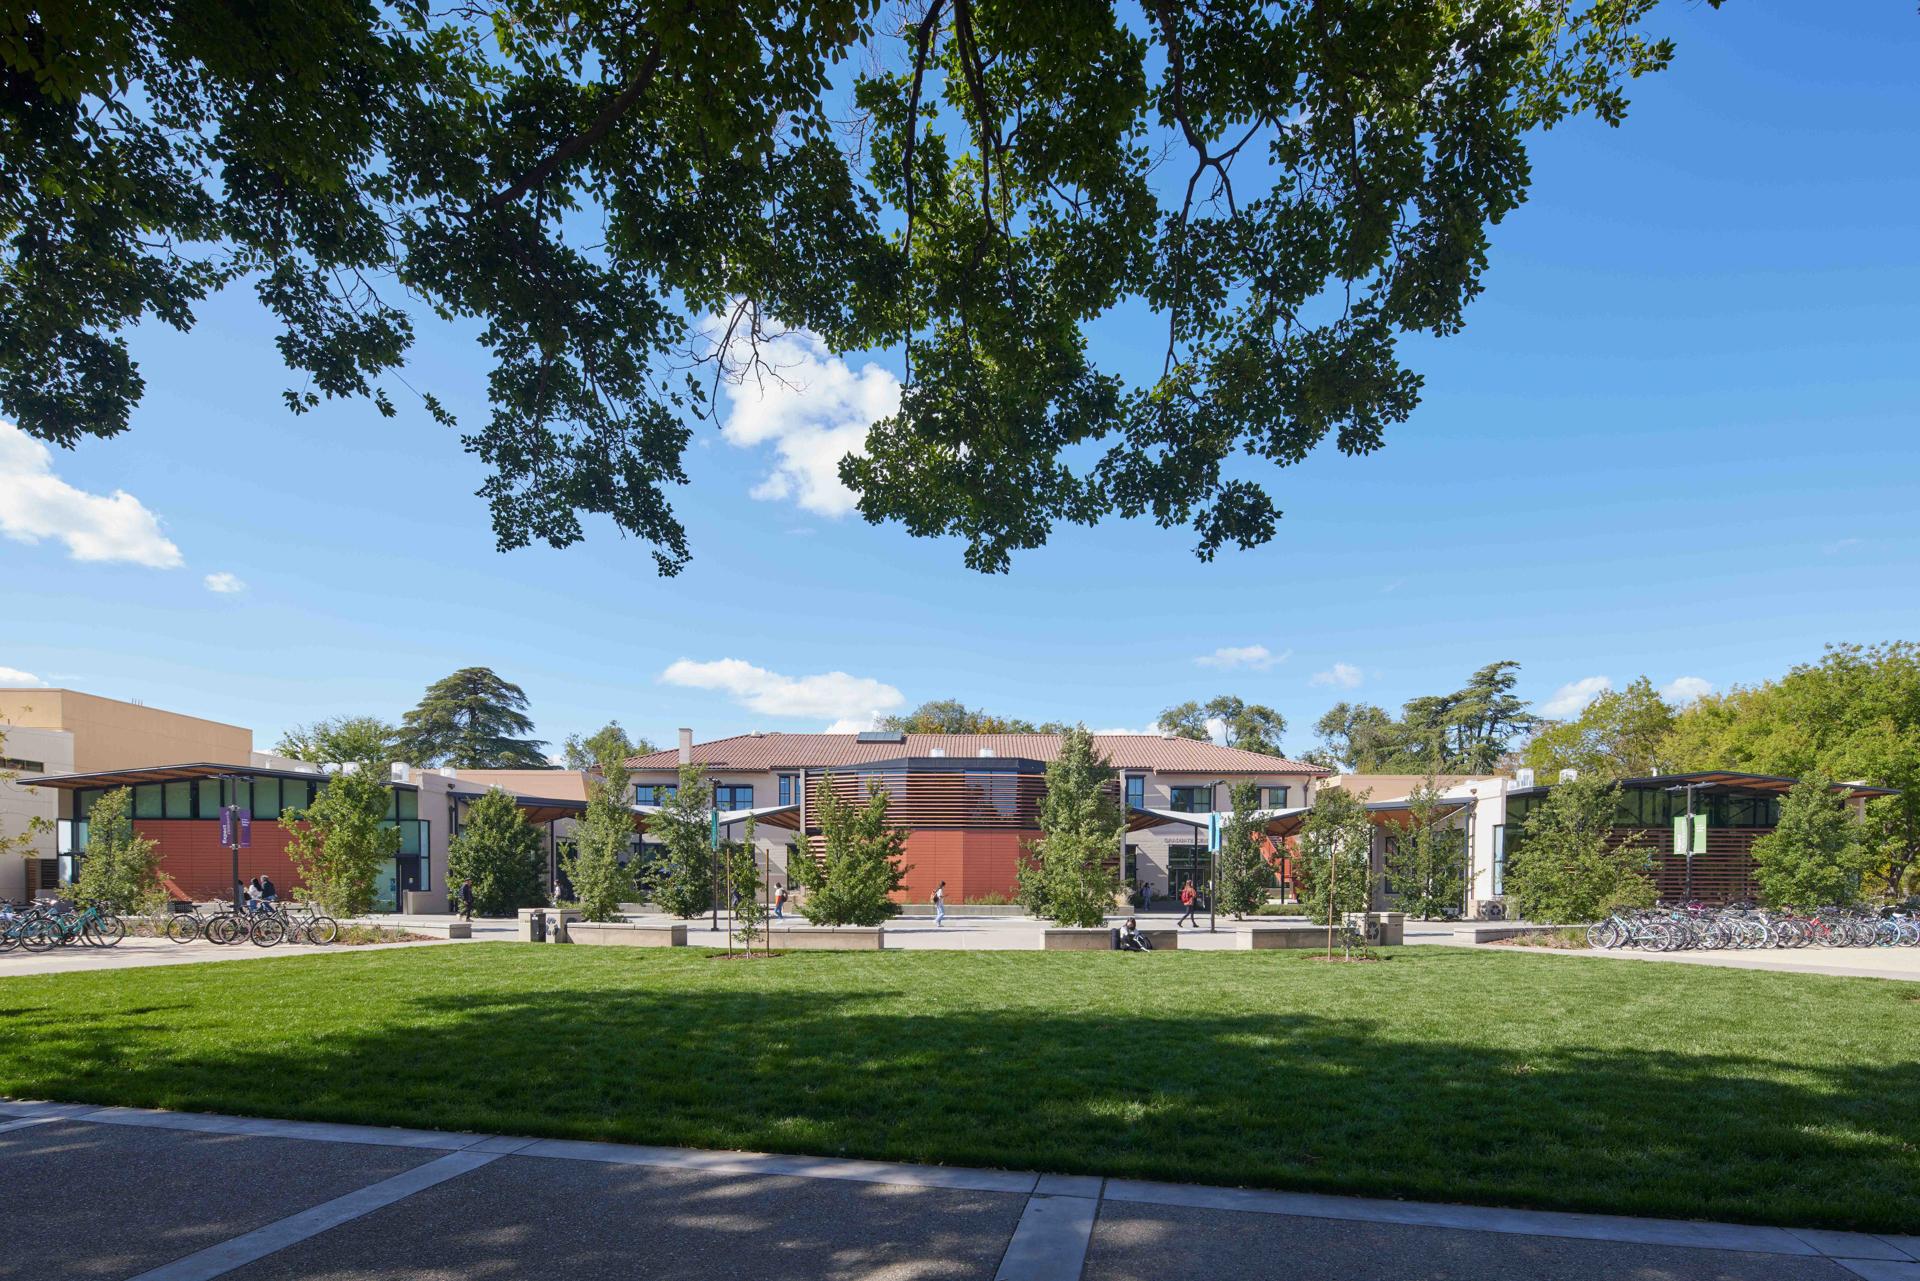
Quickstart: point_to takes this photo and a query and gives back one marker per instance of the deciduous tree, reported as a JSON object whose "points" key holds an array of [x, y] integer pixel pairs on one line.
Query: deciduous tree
{"points": [[861, 865], [1569, 866], [340, 842], [1623, 734], [1252, 726], [120, 867], [1065, 876], [343, 740], [1289, 189], [1427, 856], [1245, 873], [1332, 868], [680, 877], [610, 742], [1815, 857], [499, 851]]}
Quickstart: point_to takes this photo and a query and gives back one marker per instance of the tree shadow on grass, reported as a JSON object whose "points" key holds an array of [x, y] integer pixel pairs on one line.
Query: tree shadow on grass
{"points": [[1287, 1097]]}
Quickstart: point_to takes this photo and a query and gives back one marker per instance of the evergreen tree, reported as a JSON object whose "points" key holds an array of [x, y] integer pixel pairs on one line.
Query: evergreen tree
{"points": [[1332, 869], [1066, 877], [1245, 873], [601, 881], [120, 867], [340, 842], [343, 740], [499, 851], [1569, 867], [860, 868], [472, 720], [1815, 857], [1426, 859], [681, 876]]}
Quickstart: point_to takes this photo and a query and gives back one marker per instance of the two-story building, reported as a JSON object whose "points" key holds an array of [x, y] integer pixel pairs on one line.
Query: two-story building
{"points": [[969, 803]]}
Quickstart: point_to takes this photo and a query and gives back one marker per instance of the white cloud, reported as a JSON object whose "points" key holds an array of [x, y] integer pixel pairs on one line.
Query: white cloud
{"points": [[1344, 675], [13, 676], [849, 702], [1570, 699], [1685, 689], [1255, 657], [224, 583], [814, 409], [1151, 729], [35, 504]]}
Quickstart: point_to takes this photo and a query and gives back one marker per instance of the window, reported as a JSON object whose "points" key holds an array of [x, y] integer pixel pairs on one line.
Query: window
{"points": [[179, 800], [19, 766], [789, 789], [1192, 800], [733, 796], [654, 793], [266, 798], [409, 804], [208, 792], [1499, 859], [293, 794], [990, 795], [1274, 798], [147, 801], [1137, 791]]}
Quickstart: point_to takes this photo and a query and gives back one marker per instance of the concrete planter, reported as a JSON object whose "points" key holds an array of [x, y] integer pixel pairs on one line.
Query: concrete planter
{"points": [[1064, 938], [626, 934], [829, 938], [1261, 938]]}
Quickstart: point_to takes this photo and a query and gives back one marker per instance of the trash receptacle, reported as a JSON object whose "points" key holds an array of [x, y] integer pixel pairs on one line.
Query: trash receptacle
{"points": [[537, 927]]}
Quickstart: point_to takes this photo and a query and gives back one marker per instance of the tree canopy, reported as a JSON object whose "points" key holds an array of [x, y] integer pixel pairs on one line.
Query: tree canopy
{"points": [[1469, 731], [472, 720], [1253, 726], [1065, 876], [500, 852], [608, 748], [340, 740], [952, 716], [625, 201], [1624, 733]]}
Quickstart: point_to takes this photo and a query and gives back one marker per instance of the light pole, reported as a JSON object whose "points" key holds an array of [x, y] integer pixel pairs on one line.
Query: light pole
{"points": [[1689, 789], [230, 829]]}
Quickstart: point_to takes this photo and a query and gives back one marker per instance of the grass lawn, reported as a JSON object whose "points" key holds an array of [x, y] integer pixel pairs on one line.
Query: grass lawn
{"points": [[1438, 1074]]}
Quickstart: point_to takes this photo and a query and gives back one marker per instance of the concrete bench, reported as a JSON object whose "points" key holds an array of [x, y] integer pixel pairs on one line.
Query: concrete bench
{"points": [[449, 930], [626, 934], [830, 938], [1260, 938]]}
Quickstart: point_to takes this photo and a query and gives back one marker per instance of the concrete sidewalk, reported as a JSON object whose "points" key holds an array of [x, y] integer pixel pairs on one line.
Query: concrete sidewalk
{"points": [[164, 1196]]}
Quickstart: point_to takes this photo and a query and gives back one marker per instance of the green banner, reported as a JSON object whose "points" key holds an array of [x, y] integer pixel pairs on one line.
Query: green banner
{"points": [[1699, 822]]}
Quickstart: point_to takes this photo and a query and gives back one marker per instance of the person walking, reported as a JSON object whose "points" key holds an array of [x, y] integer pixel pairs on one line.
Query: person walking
{"points": [[780, 904], [466, 898], [1190, 900], [940, 904]]}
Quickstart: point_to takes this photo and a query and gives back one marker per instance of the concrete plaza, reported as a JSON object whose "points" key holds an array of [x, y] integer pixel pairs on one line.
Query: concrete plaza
{"points": [[188, 1197]]}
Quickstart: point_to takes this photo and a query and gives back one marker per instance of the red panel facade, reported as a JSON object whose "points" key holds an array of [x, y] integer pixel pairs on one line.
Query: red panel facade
{"points": [[972, 863], [196, 866]]}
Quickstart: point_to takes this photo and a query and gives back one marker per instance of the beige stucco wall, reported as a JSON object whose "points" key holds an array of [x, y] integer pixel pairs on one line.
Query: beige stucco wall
{"points": [[110, 734], [20, 805]]}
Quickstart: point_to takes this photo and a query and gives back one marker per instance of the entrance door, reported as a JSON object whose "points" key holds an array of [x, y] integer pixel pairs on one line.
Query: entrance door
{"points": [[1187, 863]]}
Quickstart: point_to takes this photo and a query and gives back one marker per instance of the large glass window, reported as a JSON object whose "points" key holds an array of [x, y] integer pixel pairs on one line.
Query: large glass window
{"points": [[179, 799], [1274, 798], [293, 794], [1192, 800], [1499, 859], [789, 789], [266, 798], [207, 790], [149, 801], [1137, 791], [654, 793], [409, 803], [733, 796], [991, 795]]}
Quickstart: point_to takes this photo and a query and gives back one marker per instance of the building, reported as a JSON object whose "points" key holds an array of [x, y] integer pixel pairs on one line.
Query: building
{"points": [[63, 731], [969, 803], [1734, 809]]}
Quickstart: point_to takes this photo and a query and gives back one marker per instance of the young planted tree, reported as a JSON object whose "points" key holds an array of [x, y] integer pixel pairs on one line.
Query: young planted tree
{"points": [[1570, 867], [741, 863], [1427, 858], [120, 867], [472, 720], [681, 875], [601, 881], [1245, 873], [339, 843], [1815, 857], [860, 868], [499, 851], [1065, 877], [1333, 870]]}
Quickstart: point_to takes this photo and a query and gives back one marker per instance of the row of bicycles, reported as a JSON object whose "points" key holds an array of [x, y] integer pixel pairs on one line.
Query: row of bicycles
{"points": [[261, 924], [49, 923], [1744, 926]]}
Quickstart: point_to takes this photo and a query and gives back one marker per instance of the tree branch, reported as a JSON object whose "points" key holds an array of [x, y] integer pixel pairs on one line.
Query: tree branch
{"points": [[622, 102]]}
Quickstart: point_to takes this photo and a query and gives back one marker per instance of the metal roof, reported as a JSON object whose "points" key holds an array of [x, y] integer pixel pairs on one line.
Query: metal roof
{"points": [[174, 774], [757, 753]]}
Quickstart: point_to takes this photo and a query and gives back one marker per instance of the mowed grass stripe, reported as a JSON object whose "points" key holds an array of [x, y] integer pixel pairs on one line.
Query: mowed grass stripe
{"points": [[1438, 1074]]}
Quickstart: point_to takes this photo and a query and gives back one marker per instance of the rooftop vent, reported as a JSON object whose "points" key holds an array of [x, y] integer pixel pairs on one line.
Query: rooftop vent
{"points": [[880, 736], [1523, 778]]}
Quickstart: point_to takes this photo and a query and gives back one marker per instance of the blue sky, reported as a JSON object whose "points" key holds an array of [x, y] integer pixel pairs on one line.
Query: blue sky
{"points": [[1678, 437]]}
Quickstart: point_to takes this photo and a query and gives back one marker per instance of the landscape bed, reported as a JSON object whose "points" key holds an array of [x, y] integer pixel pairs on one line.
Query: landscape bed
{"points": [[1440, 1074]]}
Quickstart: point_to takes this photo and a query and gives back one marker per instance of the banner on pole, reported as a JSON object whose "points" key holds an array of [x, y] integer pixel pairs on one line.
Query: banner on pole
{"points": [[1680, 843], [1213, 833]]}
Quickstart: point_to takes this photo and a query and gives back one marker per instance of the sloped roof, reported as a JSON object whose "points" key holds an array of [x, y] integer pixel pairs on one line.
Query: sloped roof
{"points": [[753, 753]]}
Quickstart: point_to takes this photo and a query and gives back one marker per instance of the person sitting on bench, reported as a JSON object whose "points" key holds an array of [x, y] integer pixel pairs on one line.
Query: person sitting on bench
{"points": [[1132, 940]]}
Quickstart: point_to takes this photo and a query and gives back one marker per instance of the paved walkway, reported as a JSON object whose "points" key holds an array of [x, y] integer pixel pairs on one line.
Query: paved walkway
{"points": [[159, 1196], [1901, 963]]}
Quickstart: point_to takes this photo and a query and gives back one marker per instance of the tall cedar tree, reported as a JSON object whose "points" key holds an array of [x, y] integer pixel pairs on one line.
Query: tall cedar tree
{"points": [[1427, 857], [1815, 856], [1569, 866], [860, 867], [680, 878], [472, 720], [1068, 875], [601, 880], [1245, 873], [369, 169], [1332, 869], [340, 843], [120, 868], [500, 852]]}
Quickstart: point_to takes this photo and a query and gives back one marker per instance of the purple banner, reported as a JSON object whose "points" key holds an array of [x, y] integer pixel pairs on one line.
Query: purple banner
{"points": [[226, 824], [246, 826]]}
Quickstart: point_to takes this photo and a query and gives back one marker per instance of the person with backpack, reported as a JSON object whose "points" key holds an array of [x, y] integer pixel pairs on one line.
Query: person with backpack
{"points": [[780, 903], [940, 904], [1189, 900]]}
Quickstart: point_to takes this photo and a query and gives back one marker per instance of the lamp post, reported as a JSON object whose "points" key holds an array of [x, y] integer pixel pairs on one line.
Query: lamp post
{"points": [[1689, 789], [231, 829]]}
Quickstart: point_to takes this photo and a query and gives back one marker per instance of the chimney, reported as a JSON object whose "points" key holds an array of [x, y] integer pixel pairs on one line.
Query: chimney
{"points": [[686, 746]]}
